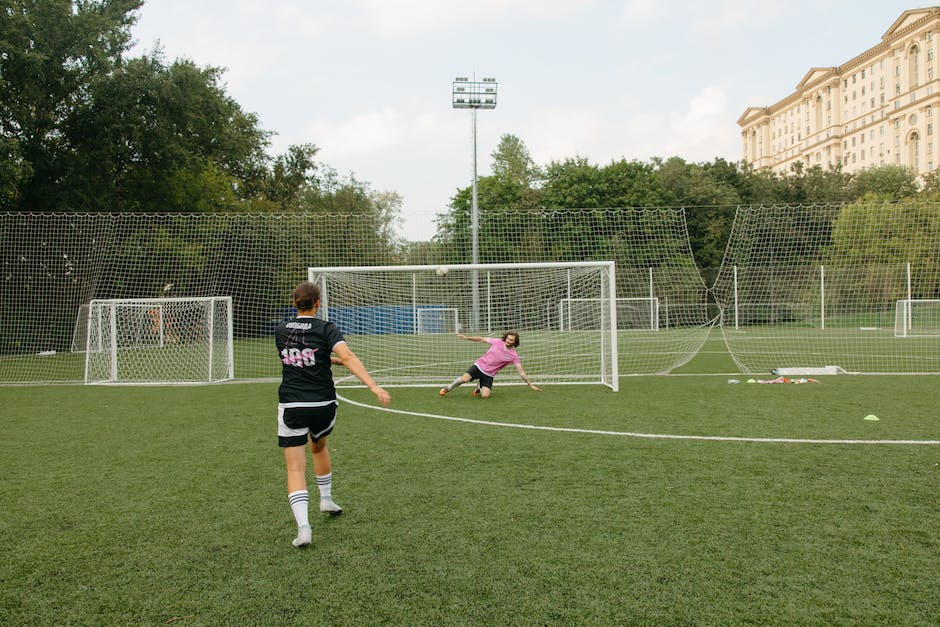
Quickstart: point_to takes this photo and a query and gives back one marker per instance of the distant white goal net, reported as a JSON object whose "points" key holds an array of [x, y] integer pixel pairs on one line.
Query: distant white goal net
{"points": [[917, 318], [156, 340], [403, 320], [641, 313]]}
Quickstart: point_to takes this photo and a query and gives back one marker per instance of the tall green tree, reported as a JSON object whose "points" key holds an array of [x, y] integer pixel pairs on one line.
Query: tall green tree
{"points": [[52, 53], [159, 138], [888, 182]]}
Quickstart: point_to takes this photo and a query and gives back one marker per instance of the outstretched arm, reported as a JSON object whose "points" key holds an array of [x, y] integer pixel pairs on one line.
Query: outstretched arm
{"points": [[472, 338], [354, 365], [525, 378]]}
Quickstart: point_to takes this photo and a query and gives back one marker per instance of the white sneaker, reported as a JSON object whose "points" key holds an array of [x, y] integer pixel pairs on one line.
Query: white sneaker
{"points": [[303, 536], [327, 505]]}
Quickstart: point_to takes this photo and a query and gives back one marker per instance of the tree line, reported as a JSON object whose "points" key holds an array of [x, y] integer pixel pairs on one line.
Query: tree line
{"points": [[710, 192]]}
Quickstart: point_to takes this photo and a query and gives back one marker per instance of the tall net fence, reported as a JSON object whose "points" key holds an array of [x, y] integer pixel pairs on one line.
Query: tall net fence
{"points": [[54, 265], [851, 286]]}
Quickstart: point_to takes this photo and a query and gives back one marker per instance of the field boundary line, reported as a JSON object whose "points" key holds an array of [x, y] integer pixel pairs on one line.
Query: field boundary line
{"points": [[632, 434]]}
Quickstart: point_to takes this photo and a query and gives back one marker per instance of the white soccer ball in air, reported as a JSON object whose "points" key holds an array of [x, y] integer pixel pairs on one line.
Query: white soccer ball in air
{"points": [[441, 271]]}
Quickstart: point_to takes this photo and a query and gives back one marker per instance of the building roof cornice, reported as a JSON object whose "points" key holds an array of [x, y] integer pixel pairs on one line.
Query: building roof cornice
{"points": [[908, 22]]}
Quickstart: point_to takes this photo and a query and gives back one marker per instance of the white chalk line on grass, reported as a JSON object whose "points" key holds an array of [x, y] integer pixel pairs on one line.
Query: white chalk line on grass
{"points": [[631, 434]]}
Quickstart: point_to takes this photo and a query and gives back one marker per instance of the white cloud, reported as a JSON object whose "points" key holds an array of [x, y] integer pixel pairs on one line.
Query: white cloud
{"points": [[384, 131], [731, 17], [396, 18], [641, 12], [558, 134], [703, 132]]}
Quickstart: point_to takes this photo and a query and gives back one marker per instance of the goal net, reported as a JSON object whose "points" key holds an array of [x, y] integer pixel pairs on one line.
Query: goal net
{"points": [[835, 285], [157, 340], [402, 320], [632, 313], [437, 320], [917, 318]]}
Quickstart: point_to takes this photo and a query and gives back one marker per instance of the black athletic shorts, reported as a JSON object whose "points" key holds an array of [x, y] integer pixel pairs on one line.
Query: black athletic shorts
{"points": [[298, 421], [486, 381]]}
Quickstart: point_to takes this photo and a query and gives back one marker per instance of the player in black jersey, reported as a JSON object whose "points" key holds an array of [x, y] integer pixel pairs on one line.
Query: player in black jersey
{"points": [[307, 402]]}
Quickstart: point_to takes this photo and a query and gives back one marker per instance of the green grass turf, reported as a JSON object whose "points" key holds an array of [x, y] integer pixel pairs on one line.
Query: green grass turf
{"points": [[141, 505]]}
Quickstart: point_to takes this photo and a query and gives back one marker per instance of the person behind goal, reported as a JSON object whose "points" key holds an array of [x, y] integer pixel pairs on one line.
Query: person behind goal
{"points": [[501, 353]]}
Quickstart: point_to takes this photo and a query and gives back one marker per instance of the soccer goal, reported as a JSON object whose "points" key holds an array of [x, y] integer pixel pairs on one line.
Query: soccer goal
{"points": [[917, 318], [158, 340], [403, 320], [641, 313], [438, 320]]}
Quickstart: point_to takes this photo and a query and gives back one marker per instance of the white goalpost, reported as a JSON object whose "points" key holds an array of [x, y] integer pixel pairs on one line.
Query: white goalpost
{"points": [[403, 320], [157, 340], [917, 318]]}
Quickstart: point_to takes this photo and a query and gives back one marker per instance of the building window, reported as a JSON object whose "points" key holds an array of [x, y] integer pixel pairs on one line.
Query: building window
{"points": [[897, 89], [914, 147]]}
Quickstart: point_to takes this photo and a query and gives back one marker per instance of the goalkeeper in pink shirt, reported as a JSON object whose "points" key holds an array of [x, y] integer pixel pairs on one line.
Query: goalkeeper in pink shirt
{"points": [[502, 352]]}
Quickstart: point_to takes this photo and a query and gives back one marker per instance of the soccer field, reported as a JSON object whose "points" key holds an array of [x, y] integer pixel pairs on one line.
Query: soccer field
{"points": [[680, 499]]}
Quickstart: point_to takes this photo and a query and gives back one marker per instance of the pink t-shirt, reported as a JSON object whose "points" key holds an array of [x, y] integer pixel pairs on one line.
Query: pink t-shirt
{"points": [[497, 358]]}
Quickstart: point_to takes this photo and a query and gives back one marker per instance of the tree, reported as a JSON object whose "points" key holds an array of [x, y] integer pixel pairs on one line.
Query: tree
{"points": [[512, 162], [888, 182], [53, 51], [149, 132]]}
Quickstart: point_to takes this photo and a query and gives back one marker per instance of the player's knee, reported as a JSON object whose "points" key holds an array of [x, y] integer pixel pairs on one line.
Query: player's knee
{"points": [[485, 392]]}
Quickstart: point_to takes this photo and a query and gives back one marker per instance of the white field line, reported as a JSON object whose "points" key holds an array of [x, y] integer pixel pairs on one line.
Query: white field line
{"points": [[630, 434]]}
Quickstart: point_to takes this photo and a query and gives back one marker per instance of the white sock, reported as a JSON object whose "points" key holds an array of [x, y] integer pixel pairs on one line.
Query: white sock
{"points": [[457, 382], [298, 504], [325, 485]]}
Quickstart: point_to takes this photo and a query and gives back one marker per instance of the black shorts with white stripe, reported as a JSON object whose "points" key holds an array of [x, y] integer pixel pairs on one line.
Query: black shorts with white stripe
{"points": [[298, 421]]}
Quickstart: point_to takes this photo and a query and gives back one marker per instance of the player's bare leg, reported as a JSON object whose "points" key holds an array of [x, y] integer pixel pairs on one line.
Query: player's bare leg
{"points": [[485, 392]]}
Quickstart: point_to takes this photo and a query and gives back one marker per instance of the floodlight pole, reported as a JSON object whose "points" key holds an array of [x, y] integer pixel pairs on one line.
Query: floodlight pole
{"points": [[474, 95]]}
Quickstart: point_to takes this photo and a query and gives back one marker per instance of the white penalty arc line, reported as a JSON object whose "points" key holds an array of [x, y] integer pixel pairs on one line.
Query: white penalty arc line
{"points": [[631, 434]]}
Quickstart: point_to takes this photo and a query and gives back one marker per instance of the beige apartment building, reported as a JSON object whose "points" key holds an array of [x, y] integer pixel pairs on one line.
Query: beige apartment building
{"points": [[881, 107]]}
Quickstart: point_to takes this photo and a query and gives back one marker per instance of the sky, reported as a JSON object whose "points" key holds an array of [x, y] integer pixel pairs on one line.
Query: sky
{"points": [[369, 81]]}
